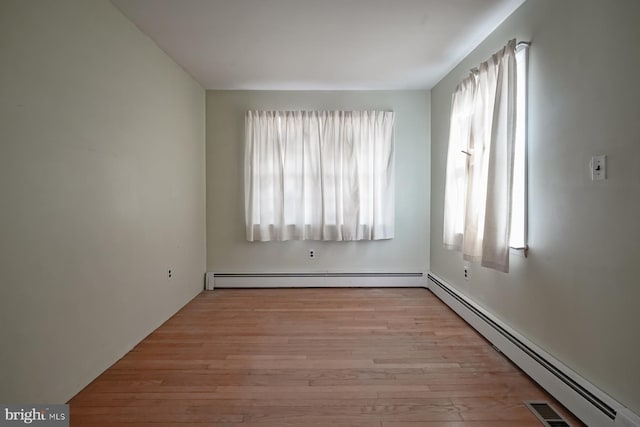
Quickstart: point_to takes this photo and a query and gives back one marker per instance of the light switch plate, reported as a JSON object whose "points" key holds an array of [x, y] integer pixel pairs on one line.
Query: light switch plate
{"points": [[598, 168]]}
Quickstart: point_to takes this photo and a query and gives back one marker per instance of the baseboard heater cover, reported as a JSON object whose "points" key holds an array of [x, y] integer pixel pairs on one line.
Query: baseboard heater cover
{"points": [[586, 401], [313, 279]]}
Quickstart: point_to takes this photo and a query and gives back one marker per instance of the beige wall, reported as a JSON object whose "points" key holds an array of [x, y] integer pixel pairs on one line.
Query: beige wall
{"points": [[577, 294], [102, 184], [227, 248]]}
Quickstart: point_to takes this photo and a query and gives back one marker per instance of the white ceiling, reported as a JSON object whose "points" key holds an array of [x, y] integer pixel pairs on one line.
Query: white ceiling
{"points": [[317, 44]]}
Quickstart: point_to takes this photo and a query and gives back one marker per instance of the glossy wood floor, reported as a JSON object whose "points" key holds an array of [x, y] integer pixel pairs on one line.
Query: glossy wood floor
{"points": [[311, 357]]}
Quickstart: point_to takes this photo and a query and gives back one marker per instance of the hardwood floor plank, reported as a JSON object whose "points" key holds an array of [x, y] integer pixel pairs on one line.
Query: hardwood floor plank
{"points": [[311, 357]]}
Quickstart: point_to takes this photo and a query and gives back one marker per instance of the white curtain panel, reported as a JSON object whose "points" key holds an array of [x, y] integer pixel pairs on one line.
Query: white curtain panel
{"points": [[480, 162], [319, 175], [457, 163]]}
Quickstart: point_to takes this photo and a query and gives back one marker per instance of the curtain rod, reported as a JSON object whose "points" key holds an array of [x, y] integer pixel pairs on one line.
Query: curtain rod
{"points": [[519, 45]]}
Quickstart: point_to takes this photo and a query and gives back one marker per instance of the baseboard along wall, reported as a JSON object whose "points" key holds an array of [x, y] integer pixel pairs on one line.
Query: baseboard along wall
{"points": [[314, 280]]}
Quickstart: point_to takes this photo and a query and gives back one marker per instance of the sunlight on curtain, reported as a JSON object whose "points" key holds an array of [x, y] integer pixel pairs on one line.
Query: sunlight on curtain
{"points": [[480, 162], [457, 159], [518, 238], [319, 175]]}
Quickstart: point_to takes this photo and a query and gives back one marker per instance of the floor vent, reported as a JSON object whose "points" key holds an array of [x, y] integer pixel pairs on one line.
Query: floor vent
{"points": [[547, 414]]}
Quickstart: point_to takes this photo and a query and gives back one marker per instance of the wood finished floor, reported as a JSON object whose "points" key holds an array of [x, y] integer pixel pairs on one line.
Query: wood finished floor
{"points": [[312, 357]]}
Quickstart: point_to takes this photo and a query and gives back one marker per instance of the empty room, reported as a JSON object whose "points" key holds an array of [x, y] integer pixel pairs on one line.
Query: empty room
{"points": [[389, 213]]}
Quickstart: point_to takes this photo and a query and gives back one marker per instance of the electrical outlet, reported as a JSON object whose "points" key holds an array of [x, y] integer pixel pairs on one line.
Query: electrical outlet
{"points": [[170, 273], [311, 254], [466, 272]]}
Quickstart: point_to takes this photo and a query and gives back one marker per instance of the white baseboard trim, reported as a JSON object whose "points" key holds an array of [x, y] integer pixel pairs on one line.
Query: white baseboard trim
{"points": [[314, 280], [583, 399]]}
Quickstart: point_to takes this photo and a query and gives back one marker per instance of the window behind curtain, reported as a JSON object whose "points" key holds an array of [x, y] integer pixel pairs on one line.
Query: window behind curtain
{"points": [[485, 190], [319, 175], [518, 238]]}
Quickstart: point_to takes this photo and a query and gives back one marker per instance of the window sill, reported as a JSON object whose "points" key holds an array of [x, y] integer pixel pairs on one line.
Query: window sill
{"points": [[522, 252]]}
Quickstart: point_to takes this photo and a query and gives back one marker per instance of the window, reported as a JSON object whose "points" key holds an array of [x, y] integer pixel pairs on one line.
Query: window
{"points": [[518, 238], [319, 175], [485, 189]]}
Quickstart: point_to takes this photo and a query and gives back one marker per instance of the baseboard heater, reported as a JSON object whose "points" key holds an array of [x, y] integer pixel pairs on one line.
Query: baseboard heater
{"points": [[586, 401], [313, 279]]}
